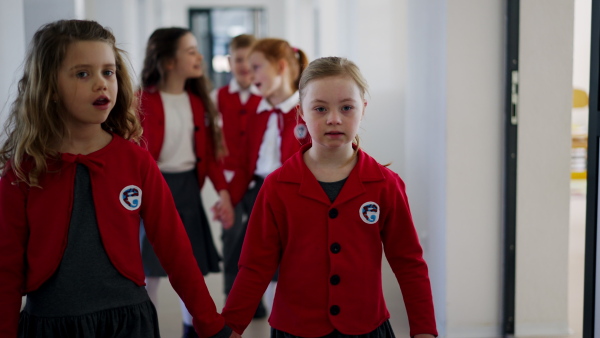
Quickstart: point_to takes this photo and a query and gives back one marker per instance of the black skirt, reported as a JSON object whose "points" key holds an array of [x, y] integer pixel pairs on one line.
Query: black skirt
{"points": [[138, 320], [184, 188], [383, 331]]}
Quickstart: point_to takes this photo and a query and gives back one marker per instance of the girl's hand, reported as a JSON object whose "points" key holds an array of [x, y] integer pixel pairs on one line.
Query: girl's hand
{"points": [[235, 335], [223, 210], [424, 335]]}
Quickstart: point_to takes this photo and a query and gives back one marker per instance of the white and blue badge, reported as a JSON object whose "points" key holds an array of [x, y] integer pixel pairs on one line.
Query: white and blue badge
{"points": [[300, 131], [369, 212], [131, 197]]}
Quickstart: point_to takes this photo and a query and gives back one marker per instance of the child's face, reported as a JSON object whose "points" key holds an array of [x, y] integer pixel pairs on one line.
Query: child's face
{"points": [[87, 83], [188, 60], [240, 66], [266, 76], [332, 108]]}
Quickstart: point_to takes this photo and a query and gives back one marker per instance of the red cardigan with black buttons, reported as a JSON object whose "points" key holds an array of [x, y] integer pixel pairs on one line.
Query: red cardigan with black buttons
{"points": [[153, 122], [329, 254]]}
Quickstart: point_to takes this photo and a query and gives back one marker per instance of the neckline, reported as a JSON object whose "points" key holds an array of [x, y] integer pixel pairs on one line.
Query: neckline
{"points": [[99, 151]]}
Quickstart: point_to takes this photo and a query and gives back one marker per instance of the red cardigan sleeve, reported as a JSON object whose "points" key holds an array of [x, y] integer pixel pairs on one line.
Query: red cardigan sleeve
{"points": [[13, 243], [172, 246], [405, 255], [215, 167], [258, 262]]}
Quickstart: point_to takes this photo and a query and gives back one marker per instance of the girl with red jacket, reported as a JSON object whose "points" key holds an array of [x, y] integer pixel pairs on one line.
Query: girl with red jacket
{"points": [[325, 218], [181, 131], [274, 132], [74, 187]]}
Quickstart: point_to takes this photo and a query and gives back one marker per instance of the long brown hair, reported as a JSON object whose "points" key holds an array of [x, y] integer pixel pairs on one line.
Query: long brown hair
{"points": [[162, 46], [36, 123], [277, 49]]}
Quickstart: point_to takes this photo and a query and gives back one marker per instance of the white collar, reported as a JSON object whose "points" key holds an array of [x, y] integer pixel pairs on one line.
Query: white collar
{"points": [[234, 87], [285, 106]]}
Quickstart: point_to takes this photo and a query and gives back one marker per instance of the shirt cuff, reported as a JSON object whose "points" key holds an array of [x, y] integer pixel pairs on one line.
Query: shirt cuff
{"points": [[225, 332]]}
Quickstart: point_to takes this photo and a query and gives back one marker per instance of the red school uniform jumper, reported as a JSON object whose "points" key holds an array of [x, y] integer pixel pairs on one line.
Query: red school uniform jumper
{"points": [[126, 186], [153, 122], [329, 253], [235, 116], [292, 130]]}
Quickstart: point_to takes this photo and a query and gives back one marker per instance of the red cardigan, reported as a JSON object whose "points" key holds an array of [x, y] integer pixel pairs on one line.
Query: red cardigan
{"points": [[293, 135], [235, 120], [153, 122], [34, 225], [329, 254]]}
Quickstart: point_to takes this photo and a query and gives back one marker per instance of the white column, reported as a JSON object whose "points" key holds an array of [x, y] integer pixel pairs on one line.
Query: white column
{"points": [[12, 54], [545, 94], [424, 139], [475, 54]]}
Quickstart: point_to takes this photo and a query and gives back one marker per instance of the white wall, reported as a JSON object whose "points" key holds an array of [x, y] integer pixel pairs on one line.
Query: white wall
{"points": [[424, 138], [581, 60], [12, 54], [474, 142], [543, 173], [39, 12]]}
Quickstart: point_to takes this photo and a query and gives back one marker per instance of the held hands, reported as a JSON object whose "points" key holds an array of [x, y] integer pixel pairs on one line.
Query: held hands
{"points": [[423, 335], [235, 335], [223, 210]]}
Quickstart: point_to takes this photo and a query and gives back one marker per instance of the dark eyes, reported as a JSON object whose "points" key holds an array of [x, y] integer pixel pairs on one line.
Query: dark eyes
{"points": [[323, 109], [83, 74]]}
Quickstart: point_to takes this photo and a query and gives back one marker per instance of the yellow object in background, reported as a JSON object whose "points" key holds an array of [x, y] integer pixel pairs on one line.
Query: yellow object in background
{"points": [[580, 98], [579, 141]]}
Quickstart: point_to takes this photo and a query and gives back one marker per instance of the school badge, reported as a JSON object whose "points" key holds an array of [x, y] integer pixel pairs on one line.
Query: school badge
{"points": [[300, 131], [131, 197], [369, 212]]}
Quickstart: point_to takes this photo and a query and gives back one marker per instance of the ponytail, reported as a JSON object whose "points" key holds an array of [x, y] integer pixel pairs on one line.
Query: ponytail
{"points": [[302, 64], [275, 50]]}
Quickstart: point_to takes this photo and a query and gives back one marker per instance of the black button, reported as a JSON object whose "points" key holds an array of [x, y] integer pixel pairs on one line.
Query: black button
{"points": [[335, 248], [242, 133], [243, 111], [196, 128], [198, 159], [334, 280], [334, 310], [333, 213]]}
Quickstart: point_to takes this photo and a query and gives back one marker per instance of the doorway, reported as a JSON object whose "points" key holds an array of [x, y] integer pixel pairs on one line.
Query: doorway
{"points": [[215, 27]]}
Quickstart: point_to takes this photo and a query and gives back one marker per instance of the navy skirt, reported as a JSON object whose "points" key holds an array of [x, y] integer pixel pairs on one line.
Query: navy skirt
{"points": [[383, 331], [184, 188]]}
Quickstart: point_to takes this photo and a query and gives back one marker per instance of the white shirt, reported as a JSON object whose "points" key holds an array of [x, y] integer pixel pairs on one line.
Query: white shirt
{"points": [[177, 153], [234, 87], [269, 155]]}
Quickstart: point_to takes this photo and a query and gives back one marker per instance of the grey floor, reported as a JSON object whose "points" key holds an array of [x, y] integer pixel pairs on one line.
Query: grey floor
{"points": [[169, 314]]}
